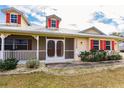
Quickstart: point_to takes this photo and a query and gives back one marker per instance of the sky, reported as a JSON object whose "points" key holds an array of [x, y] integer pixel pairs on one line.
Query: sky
{"points": [[108, 18]]}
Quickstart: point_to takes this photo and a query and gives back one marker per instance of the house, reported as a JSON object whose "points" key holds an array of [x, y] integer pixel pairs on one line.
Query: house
{"points": [[51, 43]]}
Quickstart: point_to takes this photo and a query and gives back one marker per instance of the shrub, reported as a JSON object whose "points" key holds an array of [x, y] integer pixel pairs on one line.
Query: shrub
{"points": [[98, 55], [119, 57], [32, 63], [114, 57], [85, 56], [102, 55], [8, 64], [93, 56]]}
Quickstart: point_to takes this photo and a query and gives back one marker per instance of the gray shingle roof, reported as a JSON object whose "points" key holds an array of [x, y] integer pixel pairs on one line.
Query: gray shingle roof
{"points": [[60, 32]]}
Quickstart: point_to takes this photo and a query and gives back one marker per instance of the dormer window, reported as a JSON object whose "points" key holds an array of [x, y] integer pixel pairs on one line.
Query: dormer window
{"points": [[53, 23], [14, 18]]}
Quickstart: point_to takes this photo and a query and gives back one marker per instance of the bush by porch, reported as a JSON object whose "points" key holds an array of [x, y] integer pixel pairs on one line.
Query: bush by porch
{"points": [[8, 64]]}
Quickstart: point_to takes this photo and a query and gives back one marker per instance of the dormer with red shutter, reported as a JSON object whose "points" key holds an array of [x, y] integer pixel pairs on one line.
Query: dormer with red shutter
{"points": [[52, 22], [15, 17]]}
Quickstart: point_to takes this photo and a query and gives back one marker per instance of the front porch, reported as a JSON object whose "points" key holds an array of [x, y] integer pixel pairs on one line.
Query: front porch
{"points": [[22, 47], [43, 48]]}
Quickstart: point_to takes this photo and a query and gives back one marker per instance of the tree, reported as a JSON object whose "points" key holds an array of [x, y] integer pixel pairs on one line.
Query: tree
{"points": [[116, 34]]}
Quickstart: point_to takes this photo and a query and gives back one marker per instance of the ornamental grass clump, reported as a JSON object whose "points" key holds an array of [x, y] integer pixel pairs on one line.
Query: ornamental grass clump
{"points": [[32, 63]]}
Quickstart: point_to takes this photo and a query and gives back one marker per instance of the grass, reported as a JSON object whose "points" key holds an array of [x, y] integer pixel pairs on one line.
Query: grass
{"points": [[106, 78]]}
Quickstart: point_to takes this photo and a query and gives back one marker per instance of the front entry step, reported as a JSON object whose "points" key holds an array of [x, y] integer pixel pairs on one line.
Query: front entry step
{"points": [[60, 61], [50, 65]]}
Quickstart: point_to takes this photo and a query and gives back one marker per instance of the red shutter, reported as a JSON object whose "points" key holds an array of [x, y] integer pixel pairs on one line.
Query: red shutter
{"points": [[104, 44], [49, 23], [101, 45], [57, 23], [92, 44], [19, 19], [113, 45], [7, 17]]}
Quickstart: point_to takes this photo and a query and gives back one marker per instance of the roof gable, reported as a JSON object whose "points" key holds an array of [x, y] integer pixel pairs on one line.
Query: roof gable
{"points": [[12, 9], [92, 30], [54, 16]]}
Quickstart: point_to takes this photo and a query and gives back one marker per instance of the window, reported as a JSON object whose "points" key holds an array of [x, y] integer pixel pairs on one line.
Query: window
{"points": [[13, 18], [16, 44], [108, 45], [53, 23], [9, 44], [21, 44], [96, 44], [21, 41], [51, 48]]}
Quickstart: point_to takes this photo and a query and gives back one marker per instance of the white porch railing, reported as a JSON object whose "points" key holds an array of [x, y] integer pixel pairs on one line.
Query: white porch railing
{"points": [[20, 54]]}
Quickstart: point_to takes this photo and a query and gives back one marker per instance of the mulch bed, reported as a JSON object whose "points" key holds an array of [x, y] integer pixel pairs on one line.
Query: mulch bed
{"points": [[83, 64]]}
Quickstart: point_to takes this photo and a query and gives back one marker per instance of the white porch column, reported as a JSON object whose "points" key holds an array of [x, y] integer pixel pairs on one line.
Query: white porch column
{"points": [[2, 46], [37, 51], [37, 47], [3, 36]]}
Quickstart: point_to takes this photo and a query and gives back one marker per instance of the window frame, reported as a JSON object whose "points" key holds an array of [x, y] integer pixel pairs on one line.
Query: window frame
{"points": [[110, 45], [9, 44], [14, 18], [13, 44], [98, 45], [54, 23], [17, 44]]}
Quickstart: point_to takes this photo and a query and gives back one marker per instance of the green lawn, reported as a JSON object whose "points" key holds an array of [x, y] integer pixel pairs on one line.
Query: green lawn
{"points": [[107, 78]]}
